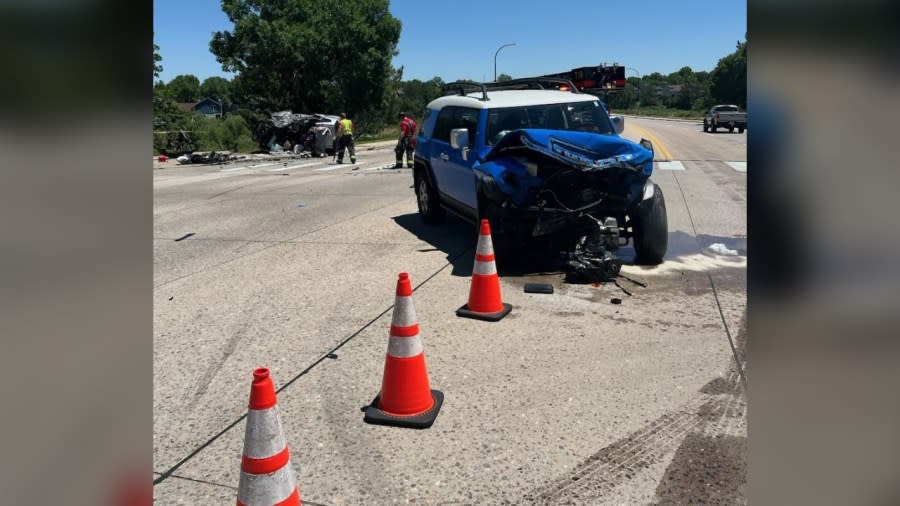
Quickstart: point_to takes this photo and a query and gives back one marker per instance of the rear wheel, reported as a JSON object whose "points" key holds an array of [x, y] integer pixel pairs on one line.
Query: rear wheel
{"points": [[731, 129], [651, 229], [426, 196], [740, 130]]}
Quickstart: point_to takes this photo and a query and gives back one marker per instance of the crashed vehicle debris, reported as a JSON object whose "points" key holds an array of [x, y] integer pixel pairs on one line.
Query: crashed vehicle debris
{"points": [[282, 126], [545, 164]]}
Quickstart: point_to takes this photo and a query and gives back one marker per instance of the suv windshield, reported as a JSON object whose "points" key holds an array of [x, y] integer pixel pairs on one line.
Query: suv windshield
{"points": [[580, 116]]}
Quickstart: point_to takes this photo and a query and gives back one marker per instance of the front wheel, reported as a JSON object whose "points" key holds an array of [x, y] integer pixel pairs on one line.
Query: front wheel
{"points": [[426, 196], [651, 229], [705, 126]]}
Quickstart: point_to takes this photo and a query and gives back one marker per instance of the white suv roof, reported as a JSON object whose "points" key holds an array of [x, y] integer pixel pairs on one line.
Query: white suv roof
{"points": [[511, 98]]}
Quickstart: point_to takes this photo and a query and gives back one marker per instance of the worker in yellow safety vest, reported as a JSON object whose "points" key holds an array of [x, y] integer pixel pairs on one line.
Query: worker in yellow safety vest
{"points": [[345, 139]]}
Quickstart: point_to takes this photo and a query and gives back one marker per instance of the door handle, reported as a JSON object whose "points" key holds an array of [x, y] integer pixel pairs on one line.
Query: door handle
{"points": [[444, 157]]}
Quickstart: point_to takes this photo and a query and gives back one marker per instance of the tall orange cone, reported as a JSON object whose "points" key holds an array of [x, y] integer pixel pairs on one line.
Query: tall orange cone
{"points": [[485, 301], [406, 398], [266, 475]]}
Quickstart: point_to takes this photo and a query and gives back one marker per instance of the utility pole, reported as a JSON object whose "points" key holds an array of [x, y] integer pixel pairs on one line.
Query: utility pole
{"points": [[495, 58]]}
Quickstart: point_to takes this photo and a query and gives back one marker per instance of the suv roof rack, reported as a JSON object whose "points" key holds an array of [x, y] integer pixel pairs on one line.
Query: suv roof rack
{"points": [[540, 83], [461, 86]]}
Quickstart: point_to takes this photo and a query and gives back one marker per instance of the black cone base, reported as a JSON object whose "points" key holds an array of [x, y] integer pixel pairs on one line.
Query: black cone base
{"points": [[488, 317], [423, 421]]}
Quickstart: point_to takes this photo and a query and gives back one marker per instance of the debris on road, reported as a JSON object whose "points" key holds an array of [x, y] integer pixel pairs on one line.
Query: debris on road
{"points": [[721, 249], [185, 236], [538, 288], [615, 300], [594, 257], [183, 159], [332, 356]]}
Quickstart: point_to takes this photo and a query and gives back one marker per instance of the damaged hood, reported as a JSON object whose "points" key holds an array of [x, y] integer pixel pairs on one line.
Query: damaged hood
{"points": [[584, 151]]}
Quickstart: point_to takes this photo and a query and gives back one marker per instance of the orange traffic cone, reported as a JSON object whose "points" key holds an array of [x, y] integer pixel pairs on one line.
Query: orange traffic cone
{"points": [[485, 301], [266, 475], [406, 398]]}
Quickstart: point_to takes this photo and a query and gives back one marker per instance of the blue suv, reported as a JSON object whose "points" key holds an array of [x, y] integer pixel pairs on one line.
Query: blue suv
{"points": [[541, 161]]}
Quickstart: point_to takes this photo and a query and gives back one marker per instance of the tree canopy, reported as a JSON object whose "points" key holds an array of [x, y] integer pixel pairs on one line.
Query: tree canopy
{"points": [[184, 88], [217, 88], [728, 81], [309, 55]]}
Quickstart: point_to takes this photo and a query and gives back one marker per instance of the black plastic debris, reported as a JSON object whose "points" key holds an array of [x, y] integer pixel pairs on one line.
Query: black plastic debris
{"points": [[185, 236], [332, 356], [616, 300], [594, 257], [538, 288]]}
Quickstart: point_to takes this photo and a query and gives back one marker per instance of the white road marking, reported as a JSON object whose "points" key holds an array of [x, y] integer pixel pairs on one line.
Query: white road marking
{"points": [[738, 166], [290, 167], [380, 167], [334, 167], [673, 165], [233, 169]]}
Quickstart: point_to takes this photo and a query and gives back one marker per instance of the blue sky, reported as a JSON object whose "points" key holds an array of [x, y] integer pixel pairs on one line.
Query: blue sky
{"points": [[457, 39]]}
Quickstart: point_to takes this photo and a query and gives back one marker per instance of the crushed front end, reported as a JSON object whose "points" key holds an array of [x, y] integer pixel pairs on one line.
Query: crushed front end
{"points": [[578, 188]]}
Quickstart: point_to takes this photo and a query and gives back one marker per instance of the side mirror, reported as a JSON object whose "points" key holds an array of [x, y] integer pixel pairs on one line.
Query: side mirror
{"points": [[618, 123], [647, 145], [459, 138]]}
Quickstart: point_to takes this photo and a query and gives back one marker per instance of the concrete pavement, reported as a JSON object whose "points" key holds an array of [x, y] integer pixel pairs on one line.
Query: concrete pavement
{"points": [[570, 399]]}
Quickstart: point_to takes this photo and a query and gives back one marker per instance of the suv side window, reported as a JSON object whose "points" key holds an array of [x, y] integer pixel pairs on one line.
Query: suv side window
{"points": [[467, 118], [456, 117], [444, 124]]}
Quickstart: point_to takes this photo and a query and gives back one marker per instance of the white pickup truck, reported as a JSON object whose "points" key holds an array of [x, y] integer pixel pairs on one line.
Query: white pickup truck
{"points": [[725, 116]]}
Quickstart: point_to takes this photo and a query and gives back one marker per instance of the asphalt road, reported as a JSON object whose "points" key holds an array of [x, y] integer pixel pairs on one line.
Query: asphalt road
{"points": [[569, 400]]}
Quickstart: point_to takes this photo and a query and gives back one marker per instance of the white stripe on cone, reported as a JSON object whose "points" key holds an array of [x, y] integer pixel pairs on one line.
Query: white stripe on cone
{"points": [[405, 347], [263, 437], [266, 489], [485, 245], [404, 312], [485, 268]]}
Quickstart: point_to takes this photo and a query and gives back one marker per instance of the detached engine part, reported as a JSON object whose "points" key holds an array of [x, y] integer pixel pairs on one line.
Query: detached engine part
{"points": [[594, 257]]}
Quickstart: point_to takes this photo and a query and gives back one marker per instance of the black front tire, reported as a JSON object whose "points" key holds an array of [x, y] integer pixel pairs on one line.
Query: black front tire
{"points": [[651, 229], [705, 126], [731, 130], [427, 198]]}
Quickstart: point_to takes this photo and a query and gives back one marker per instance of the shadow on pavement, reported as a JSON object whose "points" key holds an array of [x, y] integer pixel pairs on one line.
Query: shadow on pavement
{"points": [[454, 237]]}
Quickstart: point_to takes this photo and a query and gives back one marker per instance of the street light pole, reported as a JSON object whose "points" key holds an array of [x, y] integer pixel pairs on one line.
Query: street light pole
{"points": [[495, 58]]}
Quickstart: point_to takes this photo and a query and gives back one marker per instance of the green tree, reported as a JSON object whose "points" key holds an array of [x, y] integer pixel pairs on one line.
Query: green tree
{"points": [[309, 55], [184, 88], [157, 59], [504, 77], [216, 87], [728, 81]]}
